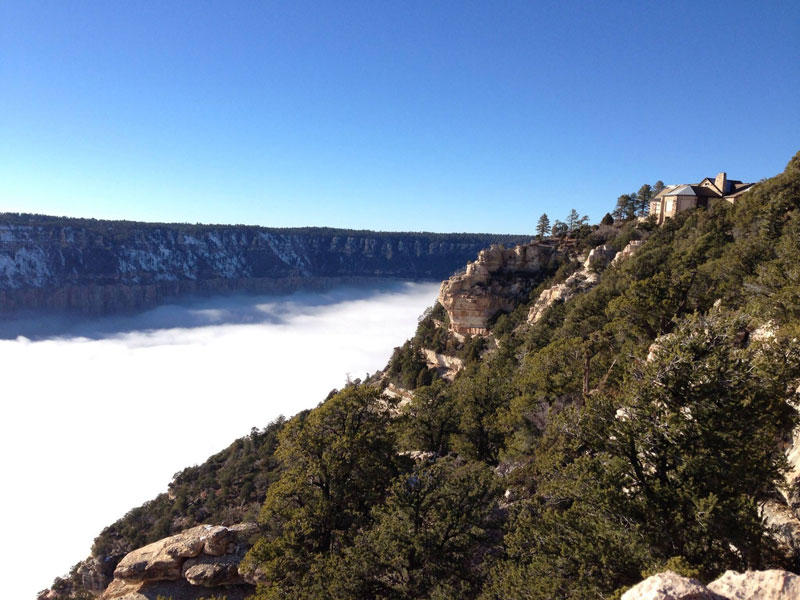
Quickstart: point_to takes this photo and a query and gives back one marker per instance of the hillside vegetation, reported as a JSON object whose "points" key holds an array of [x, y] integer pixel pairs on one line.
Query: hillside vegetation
{"points": [[635, 427]]}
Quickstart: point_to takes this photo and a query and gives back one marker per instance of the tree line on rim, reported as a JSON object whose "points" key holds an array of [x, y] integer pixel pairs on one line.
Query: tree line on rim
{"points": [[629, 206]]}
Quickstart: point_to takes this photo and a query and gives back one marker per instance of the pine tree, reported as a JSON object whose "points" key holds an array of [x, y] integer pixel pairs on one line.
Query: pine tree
{"points": [[543, 226], [430, 536], [573, 220], [337, 461], [626, 207], [643, 200]]}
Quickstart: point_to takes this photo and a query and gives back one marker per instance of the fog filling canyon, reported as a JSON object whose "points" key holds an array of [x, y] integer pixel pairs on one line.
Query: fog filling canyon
{"points": [[107, 410]]}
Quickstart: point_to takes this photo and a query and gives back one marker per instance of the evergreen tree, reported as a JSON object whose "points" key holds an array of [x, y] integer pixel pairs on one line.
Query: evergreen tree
{"points": [[480, 398], [643, 197], [626, 207], [573, 220], [559, 229], [337, 461], [431, 419], [430, 535], [695, 430], [543, 226]]}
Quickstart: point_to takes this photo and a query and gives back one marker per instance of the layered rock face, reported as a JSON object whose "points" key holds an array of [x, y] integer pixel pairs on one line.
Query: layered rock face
{"points": [[773, 584], [496, 282], [102, 267], [197, 563]]}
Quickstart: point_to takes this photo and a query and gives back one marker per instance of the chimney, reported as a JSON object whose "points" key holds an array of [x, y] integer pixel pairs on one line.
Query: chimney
{"points": [[721, 181]]}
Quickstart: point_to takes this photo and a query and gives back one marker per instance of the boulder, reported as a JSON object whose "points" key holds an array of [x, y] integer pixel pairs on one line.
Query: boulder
{"points": [[212, 571], [175, 590], [163, 559], [200, 562], [774, 584], [669, 586], [791, 489]]}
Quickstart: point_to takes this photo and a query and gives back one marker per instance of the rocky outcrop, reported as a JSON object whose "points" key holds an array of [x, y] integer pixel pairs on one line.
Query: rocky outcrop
{"points": [[101, 267], [580, 281], [446, 366], [669, 586], [791, 490], [783, 525], [200, 562], [496, 282], [773, 584], [394, 398], [627, 251]]}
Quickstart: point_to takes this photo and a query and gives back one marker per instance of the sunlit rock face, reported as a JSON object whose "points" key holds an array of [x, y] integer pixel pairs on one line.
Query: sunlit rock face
{"points": [[670, 586], [774, 584], [200, 562], [582, 280], [496, 282], [103, 267]]}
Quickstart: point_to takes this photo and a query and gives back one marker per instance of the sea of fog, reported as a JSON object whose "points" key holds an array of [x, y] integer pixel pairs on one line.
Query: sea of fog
{"points": [[99, 414]]}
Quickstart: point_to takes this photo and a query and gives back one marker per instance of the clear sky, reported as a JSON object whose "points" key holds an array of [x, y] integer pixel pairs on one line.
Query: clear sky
{"points": [[444, 116]]}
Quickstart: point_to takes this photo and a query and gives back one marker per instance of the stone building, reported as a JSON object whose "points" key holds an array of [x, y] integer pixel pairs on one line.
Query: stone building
{"points": [[676, 198]]}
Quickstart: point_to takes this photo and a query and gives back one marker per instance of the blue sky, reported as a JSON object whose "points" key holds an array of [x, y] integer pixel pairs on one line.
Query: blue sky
{"points": [[444, 116]]}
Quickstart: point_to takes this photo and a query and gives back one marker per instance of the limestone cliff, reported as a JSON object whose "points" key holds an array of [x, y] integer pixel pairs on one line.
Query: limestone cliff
{"points": [[496, 282], [100, 267]]}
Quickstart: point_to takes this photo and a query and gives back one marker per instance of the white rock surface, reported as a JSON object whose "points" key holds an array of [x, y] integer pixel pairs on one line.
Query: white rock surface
{"points": [[773, 584], [669, 586]]}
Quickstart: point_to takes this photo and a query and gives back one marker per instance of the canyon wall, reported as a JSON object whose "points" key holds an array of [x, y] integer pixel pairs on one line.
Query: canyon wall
{"points": [[102, 267]]}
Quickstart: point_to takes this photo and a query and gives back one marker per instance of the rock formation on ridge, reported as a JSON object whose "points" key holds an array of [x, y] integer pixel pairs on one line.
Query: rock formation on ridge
{"points": [[198, 562], [496, 282], [580, 281]]}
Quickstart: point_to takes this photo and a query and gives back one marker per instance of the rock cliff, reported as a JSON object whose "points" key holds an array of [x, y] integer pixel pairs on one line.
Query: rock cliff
{"points": [[496, 282], [101, 267]]}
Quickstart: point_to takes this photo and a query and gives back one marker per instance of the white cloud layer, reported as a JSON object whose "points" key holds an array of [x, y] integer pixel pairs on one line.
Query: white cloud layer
{"points": [[97, 420]]}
